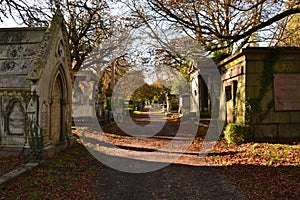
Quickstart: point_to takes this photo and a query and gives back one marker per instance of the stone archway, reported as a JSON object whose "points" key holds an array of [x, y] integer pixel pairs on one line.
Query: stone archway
{"points": [[57, 116]]}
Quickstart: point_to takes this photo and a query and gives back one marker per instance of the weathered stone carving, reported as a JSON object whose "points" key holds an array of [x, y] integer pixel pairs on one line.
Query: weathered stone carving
{"points": [[8, 66], [60, 49], [16, 119], [18, 58], [15, 51], [44, 116]]}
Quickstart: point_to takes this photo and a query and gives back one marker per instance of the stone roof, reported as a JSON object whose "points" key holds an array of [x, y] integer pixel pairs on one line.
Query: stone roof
{"points": [[19, 48], [259, 51]]}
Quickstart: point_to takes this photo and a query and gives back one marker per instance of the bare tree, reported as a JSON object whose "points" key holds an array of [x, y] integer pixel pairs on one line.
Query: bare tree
{"points": [[24, 11], [88, 22], [216, 25]]}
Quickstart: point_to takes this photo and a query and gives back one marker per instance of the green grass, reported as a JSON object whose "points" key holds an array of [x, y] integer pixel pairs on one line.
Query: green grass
{"points": [[137, 112]]}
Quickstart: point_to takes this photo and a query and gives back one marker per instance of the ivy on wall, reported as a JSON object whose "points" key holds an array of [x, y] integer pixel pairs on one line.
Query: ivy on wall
{"points": [[254, 111]]}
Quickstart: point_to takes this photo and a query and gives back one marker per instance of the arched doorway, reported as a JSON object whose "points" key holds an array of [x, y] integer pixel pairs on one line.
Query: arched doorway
{"points": [[57, 110]]}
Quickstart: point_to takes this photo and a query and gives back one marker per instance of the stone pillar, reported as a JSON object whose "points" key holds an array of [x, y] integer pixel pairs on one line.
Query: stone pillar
{"points": [[34, 134], [185, 104], [97, 102], [1, 122], [169, 103], [126, 107]]}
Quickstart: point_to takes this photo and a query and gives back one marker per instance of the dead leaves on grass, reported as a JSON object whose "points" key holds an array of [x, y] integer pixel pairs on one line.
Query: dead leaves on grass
{"points": [[260, 154], [69, 175], [260, 170]]}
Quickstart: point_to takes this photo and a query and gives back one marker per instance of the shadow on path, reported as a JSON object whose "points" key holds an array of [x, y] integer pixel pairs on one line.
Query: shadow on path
{"points": [[172, 182], [176, 181]]}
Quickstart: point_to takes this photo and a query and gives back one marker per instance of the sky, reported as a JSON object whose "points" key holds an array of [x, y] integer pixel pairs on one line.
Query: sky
{"points": [[9, 22]]}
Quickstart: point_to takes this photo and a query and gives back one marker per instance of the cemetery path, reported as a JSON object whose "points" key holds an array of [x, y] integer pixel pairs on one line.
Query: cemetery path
{"points": [[250, 167], [173, 182], [190, 177]]}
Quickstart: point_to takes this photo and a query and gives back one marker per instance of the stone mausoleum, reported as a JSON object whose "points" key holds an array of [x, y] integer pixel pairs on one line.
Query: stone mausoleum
{"points": [[262, 87], [35, 85]]}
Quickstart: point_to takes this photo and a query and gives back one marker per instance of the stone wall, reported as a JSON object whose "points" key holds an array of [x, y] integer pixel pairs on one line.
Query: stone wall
{"points": [[234, 79], [265, 88], [285, 62]]}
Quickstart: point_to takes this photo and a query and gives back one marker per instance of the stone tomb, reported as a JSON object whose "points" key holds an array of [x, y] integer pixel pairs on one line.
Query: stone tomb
{"points": [[262, 90], [84, 96], [35, 85]]}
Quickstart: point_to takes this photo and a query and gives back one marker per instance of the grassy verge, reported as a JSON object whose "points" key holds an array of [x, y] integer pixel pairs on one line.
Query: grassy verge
{"points": [[260, 170], [251, 153]]}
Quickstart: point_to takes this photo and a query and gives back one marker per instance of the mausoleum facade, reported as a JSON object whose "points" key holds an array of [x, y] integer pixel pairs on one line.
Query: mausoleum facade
{"points": [[35, 84], [262, 90]]}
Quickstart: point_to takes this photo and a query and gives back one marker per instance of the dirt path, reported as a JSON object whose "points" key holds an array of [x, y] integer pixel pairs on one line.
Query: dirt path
{"points": [[189, 177]]}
